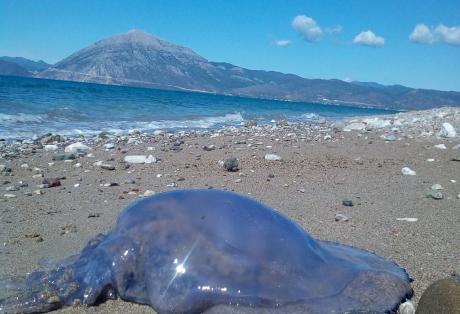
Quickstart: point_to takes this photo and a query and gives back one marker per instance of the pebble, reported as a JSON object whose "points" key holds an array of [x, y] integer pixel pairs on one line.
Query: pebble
{"points": [[94, 215], [231, 164], [209, 148], [109, 146], [347, 202], [408, 171], [447, 130], [148, 193], [437, 187], [440, 146], [38, 192], [430, 159], [11, 188], [341, 217], [406, 308], [107, 166], [357, 126], [435, 195], [77, 148], [9, 195], [172, 185], [50, 148], [272, 157], [140, 159], [158, 132], [25, 166], [238, 180], [76, 185], [410, 219]]}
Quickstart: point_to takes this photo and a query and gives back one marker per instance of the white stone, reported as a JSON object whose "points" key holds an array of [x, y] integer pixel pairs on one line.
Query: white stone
{"points": [[77, 147], [76, 185], [158, 132], [356, 126], [272, 157], [24, 166], [51, 148], [430, 159], [149, 192], [437, 187], [135, 159], [9, 195], [407, 219], [447, 130], [150, 159], [440, 146], [377, 123], [408, 171], [109, 146], [406, 308]]}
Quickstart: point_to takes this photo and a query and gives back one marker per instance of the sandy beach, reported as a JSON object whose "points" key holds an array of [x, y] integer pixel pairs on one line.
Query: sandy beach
{"points": [[322, 165]]}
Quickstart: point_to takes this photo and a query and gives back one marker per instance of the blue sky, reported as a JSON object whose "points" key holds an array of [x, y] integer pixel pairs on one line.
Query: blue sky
{"points": [[363, 40]]}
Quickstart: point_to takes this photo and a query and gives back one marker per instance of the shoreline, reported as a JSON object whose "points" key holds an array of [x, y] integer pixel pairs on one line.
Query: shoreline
{"points": [[321, 166]]}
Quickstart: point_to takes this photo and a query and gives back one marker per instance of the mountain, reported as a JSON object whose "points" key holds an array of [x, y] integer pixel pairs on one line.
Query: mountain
{"points": [[10, 68], [29, 65], [137, 58]]}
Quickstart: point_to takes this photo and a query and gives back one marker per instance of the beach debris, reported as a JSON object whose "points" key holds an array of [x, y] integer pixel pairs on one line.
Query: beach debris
{"points": [[356, 126], [442, 296], [231, 164], [272, 157], [64, 157], [209, 148], [341, 218], [77, 148], [408, 171], [409, 219], [51, 182], [140, 159], [50, 147], [347, 202], [447, 130], [107, 166], [437, 186], [440, 146]]}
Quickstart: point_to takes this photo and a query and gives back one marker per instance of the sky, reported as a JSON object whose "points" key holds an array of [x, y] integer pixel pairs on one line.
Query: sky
{"points": [[410, 42]]}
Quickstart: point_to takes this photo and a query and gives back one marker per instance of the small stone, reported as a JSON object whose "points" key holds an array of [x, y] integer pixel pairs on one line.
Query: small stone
{"points": [[341, 218], [94, 215], [406, 308], [25, 166], [172, 185], [440, 146], [150, 159], [51, 182], [408, 171], [437, 187], [238, 180], [430, 159], [231, 164], [250, 123], [435, 195], [347, 202], [12, 188], [28, 193], [38, 192], [389, 138], [271, 175], [77, 165], [272, 157], [109, 146], [135, 159], [107, 167], [64, 157], [38, 175], [51, 148], [302, 190], [442, 296], [209, 148], [76, 185], [9, 195], [447, 130], [148, 193], [409, 219], [77, 148], [356, 126]]}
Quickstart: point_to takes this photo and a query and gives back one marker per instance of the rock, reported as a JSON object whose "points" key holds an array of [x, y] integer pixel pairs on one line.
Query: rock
{"points": [[209, 148], [408, 171], [347, 202], [341, 217], [107, 166], [51, 182], [50, 148], [64, 157], [140, 159], [9, 195], [12, 188], [356, 126], [442, 296], [109, 146], [94, 215], [77, 148], [272, 157], [406, 308], [238, 180], [172, 185], [389, 137], [447, 130], [250, 123], [158, 132], [38, 192], [440, 146], [377, 123], [410, 219], [435, 195], [437, 187], [148, 193], [231, 164]]}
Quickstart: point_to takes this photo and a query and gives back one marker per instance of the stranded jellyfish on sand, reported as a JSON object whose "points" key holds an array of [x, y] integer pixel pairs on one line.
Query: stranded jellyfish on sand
{"points": [[194, 251]]}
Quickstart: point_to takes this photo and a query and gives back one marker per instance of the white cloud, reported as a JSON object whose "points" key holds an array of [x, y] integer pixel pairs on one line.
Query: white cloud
{"points": [[281, 42], [449, 35], [424, 34], [307, 27], [334, 30], [368, 38]]}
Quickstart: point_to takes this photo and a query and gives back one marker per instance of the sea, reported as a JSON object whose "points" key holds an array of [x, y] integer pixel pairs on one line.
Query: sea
{"points": [[32, 107]]}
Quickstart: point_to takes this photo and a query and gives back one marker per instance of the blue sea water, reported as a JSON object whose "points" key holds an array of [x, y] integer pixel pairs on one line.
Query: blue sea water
{"points": [[31, 106]]}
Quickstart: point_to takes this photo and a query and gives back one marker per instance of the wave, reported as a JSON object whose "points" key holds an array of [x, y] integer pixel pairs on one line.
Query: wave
{"points": [[22, 118]]}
